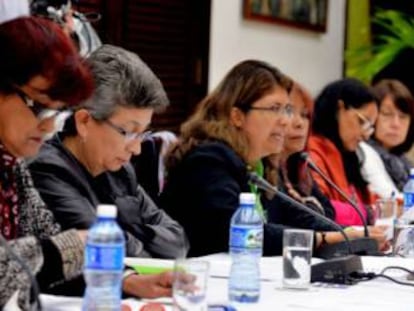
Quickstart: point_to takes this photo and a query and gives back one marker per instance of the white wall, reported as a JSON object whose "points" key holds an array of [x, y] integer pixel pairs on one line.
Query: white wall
{"points": [[314, 59]]}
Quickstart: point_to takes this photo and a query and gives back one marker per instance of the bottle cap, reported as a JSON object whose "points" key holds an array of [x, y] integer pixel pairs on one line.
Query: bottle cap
{"points": [[106, 210], [247, 198]]}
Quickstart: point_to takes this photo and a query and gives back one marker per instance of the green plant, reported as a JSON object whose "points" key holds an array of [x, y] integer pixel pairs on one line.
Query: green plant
{"points": [[367, 61]]}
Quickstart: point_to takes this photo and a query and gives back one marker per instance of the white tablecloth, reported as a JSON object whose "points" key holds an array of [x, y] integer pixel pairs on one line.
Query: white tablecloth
{"points": [[375, 295]]}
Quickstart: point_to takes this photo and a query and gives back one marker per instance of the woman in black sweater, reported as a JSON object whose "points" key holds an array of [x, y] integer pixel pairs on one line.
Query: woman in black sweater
{"points": [[243, 120]]}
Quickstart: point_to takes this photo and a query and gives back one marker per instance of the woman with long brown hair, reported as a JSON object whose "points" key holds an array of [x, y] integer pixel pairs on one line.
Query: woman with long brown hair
{"points": [[243, 120]]}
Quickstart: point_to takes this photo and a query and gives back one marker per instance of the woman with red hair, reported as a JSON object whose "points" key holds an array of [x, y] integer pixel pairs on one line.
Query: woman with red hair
{"points": [[40, 74], [293, 173]]}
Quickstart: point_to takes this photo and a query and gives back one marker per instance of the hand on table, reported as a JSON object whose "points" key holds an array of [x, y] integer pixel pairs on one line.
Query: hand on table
{"points": [[149, 286], [378, 233]]}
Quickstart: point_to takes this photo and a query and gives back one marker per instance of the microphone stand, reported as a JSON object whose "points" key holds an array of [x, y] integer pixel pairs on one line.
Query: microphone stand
{"points": [[304, 156], [337, 270], [361, 246], [266, 186]]}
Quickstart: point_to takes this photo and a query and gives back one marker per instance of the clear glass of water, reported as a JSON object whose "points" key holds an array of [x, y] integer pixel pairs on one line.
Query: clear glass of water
{"points": [[297, 255], [386, 213], [190, 284], [403, 245]]}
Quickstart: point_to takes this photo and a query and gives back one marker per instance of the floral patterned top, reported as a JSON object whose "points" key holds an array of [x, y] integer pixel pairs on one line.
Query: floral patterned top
{"points": [[39, 242]]}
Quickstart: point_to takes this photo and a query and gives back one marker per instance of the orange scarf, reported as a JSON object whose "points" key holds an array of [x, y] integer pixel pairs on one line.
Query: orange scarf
{"points": [[328, 158]]}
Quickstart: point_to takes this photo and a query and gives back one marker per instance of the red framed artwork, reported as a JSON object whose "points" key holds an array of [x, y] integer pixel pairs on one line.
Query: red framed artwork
{"points": [[305, 14]]}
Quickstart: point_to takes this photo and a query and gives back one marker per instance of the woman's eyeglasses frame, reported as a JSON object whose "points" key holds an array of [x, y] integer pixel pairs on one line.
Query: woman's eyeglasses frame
{"points": [[39, 110], [128, 136], [366, 125]]}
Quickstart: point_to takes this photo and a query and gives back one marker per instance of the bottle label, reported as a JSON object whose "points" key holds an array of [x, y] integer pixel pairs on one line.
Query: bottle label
{"points": [[408, 200], [246, 237], [104, 257]]}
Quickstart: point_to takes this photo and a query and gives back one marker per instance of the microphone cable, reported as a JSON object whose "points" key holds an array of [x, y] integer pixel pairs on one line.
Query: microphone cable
{"points": [[368, 276]]}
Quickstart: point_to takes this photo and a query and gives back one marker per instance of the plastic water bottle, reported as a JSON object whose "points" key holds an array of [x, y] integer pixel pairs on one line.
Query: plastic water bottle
{"points": [[246, 245], [403, 245], [104, 262], [408, 190]]}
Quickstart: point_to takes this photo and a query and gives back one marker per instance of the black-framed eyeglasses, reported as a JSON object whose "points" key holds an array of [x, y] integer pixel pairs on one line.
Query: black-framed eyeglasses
{"points": [[40, 111], [129, 136], [286, 110]]}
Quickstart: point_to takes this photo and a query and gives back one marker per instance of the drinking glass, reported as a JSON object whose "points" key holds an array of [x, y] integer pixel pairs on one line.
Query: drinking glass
{"points": [[403, 245], [297, 255], [190, 284], [386, 212]]}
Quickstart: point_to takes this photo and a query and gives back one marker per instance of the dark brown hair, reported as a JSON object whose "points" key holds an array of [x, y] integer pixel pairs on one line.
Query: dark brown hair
{"points": [[403, 100]]}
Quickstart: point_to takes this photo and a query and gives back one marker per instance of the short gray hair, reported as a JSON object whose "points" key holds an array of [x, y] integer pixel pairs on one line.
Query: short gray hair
{"points": [[122, 79]]}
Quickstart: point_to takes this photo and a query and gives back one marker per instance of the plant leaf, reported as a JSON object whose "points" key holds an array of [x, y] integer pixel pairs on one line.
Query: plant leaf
{"points": [[365, 62]]}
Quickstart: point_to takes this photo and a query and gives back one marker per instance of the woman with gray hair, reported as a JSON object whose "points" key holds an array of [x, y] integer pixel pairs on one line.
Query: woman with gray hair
{"points": [[88, 162]]}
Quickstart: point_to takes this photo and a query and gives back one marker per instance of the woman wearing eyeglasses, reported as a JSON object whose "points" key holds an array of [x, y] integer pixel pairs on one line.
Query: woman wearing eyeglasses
{"points": [[289, 172], [385, 166], [88, 163], [40, 73], [344, 114], [243, 120]]}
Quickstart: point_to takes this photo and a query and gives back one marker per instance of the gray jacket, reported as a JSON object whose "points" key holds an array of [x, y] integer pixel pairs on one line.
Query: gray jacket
{"points": [[73, 194]]}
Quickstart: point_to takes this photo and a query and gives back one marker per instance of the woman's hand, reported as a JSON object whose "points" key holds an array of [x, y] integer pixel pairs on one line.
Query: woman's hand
{"points": [[149, 286], [378, 233]]}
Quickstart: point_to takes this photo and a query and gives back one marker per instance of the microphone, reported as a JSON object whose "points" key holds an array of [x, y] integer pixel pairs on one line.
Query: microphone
{"points": [[308, 161], [360, 246], [266, 186], [337, 270], [34, 289]]}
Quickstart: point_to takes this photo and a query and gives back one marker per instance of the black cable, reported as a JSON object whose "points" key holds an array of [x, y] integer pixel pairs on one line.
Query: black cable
{"points": [[362, 276], [367, 276], [34, 288], [393, 280], [397, 268]]}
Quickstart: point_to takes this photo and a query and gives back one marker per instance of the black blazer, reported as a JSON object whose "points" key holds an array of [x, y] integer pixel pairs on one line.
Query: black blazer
{"points": [[202, 193]]}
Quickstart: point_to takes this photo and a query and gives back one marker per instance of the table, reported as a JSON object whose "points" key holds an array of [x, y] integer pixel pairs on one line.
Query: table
{"points": [[375, 295]]}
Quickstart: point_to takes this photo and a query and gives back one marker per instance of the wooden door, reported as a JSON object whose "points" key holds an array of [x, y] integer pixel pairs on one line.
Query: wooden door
{"points": [[171, 36]]}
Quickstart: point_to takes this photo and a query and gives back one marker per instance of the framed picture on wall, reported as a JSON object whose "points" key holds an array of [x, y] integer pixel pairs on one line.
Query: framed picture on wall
{"points": [[304, 14]]}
